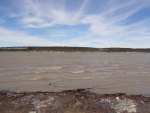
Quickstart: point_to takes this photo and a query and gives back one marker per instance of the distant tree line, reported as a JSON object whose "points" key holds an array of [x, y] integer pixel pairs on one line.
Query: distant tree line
{"points": [[73, 49]]}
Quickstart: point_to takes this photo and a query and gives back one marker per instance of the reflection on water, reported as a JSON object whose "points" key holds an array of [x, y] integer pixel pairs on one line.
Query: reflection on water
{"points": [[103, 72]]}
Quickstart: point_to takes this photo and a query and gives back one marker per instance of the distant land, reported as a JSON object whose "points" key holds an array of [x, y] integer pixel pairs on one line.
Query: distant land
{"points": [[72, 49]]}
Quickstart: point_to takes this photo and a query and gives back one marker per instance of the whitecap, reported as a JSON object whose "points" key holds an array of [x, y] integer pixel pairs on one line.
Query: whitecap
{"points": [[83, 78], [48, 68], [37, 72], [55, 67], [82, 66], [116, 65], [80, 71], [33, 79]]}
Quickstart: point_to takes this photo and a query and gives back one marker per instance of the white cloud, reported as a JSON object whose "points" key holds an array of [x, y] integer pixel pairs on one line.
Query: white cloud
{"points": [[40, 15], [23, 39], [104, 28]]}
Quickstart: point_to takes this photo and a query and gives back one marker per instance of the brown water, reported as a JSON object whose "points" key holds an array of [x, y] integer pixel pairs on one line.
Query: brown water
{"points": [[54, 71]]}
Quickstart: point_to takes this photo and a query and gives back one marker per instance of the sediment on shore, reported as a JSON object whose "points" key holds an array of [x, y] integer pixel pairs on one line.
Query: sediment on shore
{"points": [[72, 101]]}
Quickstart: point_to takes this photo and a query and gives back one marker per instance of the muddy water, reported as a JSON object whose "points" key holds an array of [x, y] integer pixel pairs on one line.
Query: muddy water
{"points": [[54, 71]]}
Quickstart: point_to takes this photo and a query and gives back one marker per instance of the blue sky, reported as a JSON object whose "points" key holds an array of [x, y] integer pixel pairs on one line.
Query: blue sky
{"points": [[89, 23]]}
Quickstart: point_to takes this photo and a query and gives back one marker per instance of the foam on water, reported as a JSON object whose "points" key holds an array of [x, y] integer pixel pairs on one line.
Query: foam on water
{"points": [[79, 71], [55, 67], [48, 68]]}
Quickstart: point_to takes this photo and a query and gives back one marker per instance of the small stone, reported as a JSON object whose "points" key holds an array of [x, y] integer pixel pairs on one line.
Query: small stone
{"points": [[117, 98]]}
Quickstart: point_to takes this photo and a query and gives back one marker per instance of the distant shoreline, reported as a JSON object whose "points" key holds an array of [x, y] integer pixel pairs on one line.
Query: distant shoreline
{"points": [[71, 49]]}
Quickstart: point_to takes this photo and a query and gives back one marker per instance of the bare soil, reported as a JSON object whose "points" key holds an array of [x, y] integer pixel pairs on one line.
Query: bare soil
{"points": [[72, 101]]}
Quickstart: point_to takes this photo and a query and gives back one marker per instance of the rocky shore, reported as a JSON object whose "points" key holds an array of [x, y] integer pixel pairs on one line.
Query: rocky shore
{"points": [[72, 101]]}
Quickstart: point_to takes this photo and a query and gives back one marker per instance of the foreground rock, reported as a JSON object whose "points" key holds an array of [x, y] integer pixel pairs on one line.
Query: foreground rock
{"points": [[72, 101]]}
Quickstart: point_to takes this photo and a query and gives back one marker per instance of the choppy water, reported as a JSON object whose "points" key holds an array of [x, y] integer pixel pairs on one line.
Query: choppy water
{"points": [[51, 71]]}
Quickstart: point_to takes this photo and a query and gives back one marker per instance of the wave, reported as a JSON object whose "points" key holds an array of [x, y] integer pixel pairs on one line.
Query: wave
{"points": [[1, 74], [48, 68], [142, 72], [80, 71], [116, 65], [81, 78], [55, 67], [66, 78]]}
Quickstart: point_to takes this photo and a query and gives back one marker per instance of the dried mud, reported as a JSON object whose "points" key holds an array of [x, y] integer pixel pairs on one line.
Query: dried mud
{"points": [[72, 101]]}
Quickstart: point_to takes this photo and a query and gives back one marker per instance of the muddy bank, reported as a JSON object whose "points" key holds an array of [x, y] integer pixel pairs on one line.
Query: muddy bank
{"points": [[72, 101]]}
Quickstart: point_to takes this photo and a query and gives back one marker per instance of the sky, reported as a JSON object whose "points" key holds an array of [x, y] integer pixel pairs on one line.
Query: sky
{"points": [[86, 23]]}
